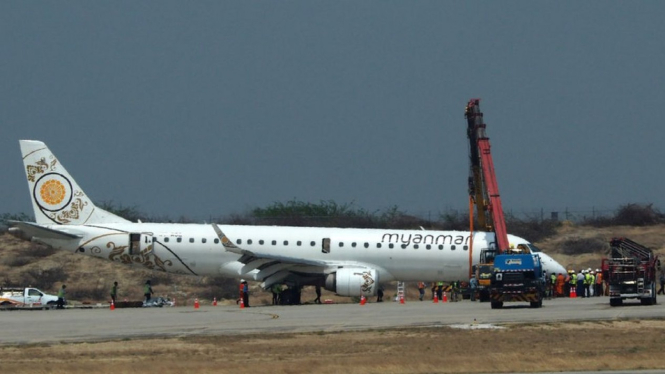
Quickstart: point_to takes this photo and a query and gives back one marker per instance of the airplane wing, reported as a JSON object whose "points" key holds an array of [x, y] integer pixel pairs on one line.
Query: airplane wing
{"points": [[29, 229], [273, 268]]}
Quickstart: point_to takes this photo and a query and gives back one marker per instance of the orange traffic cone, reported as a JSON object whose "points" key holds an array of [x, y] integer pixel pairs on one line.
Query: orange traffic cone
{"points": [[445, 297], [112, 305], [573, 292], [362, 300], [242, 303], [214, 301], [436, 299], [401, 299], [196, 303]]}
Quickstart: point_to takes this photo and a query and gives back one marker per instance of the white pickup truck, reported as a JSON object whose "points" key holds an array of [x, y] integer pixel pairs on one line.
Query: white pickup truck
{"points": [[26, 298]]}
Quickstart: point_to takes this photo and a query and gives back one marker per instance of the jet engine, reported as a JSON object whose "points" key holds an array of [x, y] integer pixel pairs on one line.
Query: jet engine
{"points": [[353, 282]]}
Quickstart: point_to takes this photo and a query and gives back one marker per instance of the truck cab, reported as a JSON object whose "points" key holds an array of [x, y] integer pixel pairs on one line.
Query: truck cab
{"points": [[517, 277]]}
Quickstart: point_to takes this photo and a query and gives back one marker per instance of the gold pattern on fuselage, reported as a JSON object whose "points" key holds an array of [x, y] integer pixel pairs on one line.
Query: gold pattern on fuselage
{"points": [[146, 257]]}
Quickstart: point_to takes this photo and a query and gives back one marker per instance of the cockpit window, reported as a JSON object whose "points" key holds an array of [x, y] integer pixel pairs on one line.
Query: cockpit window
{"points": [[533, 248]]}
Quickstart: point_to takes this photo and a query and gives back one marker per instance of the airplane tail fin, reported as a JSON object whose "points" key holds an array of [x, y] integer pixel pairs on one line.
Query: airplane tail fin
{"points": [[56, 197]]}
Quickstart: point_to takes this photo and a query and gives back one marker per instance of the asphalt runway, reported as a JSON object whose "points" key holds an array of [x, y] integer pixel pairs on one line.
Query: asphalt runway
{"points": [[88, 325]]}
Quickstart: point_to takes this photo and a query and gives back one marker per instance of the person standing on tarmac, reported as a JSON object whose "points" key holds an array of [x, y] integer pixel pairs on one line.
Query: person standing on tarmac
{"points": [[439, 290], [114, 292], [421, 290], [276, 290], [473, 284], [560, 280], [662, 284], [572, 285], [553, 285], [580, 284], [147, 290], [379, 294], [599, 283], [245, 293], [317, 289], [61, 297]]}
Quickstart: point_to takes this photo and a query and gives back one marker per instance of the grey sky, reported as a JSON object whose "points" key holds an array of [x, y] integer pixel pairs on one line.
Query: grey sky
{"points": [[213, 107]]}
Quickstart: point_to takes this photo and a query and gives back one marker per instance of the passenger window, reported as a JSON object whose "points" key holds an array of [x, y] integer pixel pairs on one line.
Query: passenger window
{"points": [[378, 245], [261, 242], [299, 243], [466, 248], [341, 244], [191, 240], [312, 243], [166, 240], [440, 246], [216, 241], [274, 242], [179, 240], [366, 245], [204, 240], [249, 241], [428, 246], [403, 246], [415, 246], [239, 241], [353, 244], [452, 247], [286, 242], [391, 245]]}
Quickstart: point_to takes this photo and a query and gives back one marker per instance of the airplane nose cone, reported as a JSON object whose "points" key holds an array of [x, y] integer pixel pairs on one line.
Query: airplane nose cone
{"points": [[551, 265]]}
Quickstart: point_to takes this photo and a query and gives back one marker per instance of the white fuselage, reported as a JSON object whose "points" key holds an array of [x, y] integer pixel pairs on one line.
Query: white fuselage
{"points": [[404, 255]]}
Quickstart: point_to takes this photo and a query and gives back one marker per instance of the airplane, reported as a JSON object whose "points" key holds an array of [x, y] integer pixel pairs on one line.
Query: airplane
{"points": [[347, 261]]}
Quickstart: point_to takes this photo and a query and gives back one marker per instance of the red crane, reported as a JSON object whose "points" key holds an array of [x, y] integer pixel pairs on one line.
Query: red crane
{"points": [[484, 184]]}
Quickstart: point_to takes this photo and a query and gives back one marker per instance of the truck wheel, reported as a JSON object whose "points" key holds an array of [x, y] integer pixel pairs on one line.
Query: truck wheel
{"points": [[537, 304], [616, 302], [497, 304]]}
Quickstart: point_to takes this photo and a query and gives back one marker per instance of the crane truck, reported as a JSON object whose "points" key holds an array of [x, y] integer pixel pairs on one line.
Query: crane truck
{"points": [[516, 274], [631, 272]]}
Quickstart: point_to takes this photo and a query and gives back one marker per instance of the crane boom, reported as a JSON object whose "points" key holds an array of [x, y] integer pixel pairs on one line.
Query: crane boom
{"points": [[490, 204], [476, 186]]}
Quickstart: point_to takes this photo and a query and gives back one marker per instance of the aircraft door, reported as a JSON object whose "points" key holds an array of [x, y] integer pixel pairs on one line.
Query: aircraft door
{"points": [[140, 243]]}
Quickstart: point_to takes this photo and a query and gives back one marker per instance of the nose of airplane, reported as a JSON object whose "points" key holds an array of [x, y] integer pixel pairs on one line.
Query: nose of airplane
{"points": [[551, 265]]}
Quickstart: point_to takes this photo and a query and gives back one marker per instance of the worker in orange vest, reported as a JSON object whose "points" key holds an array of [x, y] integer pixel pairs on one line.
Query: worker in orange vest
{"points": [[599, 283], [240, 291], [559, 285]]}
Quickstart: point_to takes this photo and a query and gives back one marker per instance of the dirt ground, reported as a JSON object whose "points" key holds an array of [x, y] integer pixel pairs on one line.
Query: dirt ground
{"points": [[605, 345]]}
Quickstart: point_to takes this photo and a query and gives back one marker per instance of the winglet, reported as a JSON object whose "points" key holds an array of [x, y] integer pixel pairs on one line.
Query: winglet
{"points": [[228, 244]]}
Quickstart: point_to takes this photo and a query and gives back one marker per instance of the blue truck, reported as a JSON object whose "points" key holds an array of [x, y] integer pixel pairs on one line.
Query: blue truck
{"points": [[517, 277]]}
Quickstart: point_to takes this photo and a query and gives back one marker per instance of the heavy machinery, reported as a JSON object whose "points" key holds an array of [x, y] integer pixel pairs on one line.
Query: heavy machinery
{"points": [[520, 275], [630, 272], [517, 277]]}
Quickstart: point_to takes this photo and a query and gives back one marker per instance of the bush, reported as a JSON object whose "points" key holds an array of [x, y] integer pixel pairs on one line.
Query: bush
{"points": [[638, 215], [579, 246]]}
